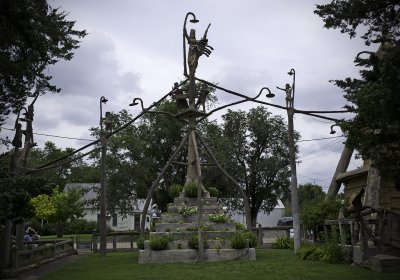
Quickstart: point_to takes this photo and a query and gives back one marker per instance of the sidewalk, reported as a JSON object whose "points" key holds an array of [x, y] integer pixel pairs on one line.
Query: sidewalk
{"points": [[38, 272]]}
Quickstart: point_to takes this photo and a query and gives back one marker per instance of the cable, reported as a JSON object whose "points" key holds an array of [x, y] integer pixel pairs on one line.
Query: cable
{"points": [[315, 139], [50, 135]]}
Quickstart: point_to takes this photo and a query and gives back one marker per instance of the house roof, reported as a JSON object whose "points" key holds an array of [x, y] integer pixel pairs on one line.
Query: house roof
{"points": [[92, 192], [359, 172]]}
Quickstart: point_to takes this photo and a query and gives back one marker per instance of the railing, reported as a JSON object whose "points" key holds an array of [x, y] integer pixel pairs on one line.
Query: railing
{"points": [[267, 235], [41, 251], [117, 241]]}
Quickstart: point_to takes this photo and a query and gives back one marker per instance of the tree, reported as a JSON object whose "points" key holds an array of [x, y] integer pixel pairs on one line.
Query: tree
{"points": [[310, 194], [76, 171], [375, 130], [60, 207], [33, 37], [253, 150]]}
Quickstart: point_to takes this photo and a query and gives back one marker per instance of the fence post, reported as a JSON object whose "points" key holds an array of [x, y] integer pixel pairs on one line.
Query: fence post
{"points": [[131, 241], [94, 238], [260, 235], [114, 242]]}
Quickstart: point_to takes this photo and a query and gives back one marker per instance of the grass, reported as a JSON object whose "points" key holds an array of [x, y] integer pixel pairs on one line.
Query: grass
{"points": [[271, 264]]}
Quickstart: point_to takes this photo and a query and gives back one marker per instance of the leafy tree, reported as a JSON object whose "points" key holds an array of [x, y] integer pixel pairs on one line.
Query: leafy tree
{"points": [[33, 37], [253, 147], [77, 171], [375, 130], [60, 207], [310, 194]]}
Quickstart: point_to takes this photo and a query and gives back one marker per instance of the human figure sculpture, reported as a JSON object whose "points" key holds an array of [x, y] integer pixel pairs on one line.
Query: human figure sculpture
{"points": [[179, 97], [202, 97], [289, 97], [108, 122], [28, 132], [17, 141], [196, 48]]}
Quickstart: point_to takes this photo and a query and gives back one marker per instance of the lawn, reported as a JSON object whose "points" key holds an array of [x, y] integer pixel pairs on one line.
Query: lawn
{"points": [[271, 264]]}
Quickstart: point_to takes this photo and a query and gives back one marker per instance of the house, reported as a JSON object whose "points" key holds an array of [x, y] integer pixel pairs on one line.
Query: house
{"points": [[115, 221], [263, 219]]}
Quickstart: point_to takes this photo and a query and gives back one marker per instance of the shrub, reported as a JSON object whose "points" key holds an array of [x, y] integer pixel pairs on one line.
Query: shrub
{"points": [[331, 253], [238, 241], [214, 192], [140, 243], [174, 190], [192, 227], [191, 189], [159, 243], [251, 237], [283, 242], [240, 226], [193, 242], [187, 210], [218, 218]]}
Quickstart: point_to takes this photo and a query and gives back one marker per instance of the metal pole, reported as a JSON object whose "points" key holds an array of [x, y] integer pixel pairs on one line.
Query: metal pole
{"points": [[103, 224]]}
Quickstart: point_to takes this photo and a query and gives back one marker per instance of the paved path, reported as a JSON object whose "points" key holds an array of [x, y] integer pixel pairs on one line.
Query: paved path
{"points": [[36, 273]]}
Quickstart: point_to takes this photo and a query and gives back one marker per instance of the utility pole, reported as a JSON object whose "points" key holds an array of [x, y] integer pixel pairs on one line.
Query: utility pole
{"points": [[103, 199]]}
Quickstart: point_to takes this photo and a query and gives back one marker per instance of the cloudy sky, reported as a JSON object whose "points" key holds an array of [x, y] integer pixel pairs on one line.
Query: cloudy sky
{"points": [[134, 49]]}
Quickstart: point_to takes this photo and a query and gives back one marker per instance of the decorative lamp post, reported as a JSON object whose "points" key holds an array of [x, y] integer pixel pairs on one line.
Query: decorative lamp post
{"points": [[290, 90], [103, 224]]}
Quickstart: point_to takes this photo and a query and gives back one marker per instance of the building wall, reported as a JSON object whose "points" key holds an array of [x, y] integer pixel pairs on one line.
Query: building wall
{"points": [[266, 220], [390, 196]]}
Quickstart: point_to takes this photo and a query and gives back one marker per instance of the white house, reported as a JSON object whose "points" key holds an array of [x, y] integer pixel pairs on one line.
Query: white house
{"points": [[263, 219], [116, 221]]}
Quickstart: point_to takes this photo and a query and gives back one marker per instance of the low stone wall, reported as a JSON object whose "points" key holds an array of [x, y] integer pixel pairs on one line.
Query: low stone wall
{"points": [[191, 255]]}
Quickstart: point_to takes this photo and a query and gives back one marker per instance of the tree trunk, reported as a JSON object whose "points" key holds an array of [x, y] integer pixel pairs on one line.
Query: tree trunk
{"points": [[342, 166], [5, 250]]}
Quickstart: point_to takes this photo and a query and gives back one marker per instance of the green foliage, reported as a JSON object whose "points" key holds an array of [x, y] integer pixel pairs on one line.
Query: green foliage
{"points": [[375, 130], [331, 253], [185, 210], [218, 218], [315, 215], [191, 189], [140, 242], [213, 191], [283, 242], [251, 237], [193, 242], [34, 36], [192, 227], [159, 243], [238, 241], [60, 207], [310, 194], [174, 190], [240, 226]]}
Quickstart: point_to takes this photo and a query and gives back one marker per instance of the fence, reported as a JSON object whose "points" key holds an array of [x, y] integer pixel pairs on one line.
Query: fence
{"points": [[117, 241], [267, 235], [41, 251]]}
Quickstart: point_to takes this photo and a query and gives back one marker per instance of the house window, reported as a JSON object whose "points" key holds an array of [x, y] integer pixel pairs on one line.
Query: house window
{"points": [[148, 219], [98, 218], [114, 220]]}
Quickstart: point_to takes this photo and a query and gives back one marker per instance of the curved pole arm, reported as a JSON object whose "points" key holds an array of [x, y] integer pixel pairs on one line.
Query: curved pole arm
{"points": [[186, 37]]}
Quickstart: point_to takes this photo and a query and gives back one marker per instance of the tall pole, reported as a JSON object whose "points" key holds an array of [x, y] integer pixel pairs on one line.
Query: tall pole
{"points": [[292, 157], [103, 223]]}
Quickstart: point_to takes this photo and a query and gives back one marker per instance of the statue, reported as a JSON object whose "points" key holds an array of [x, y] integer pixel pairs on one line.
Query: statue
{"points": [[289, 98], [202, 97], [28, 132], [17, 141], [180, 97], [196, 48], [108, 122]]}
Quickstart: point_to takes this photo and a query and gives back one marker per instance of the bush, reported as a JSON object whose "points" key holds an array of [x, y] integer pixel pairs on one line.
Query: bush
{"points": [[174, 190], [214, 192], [218, 218], [251, 237], [193, 242], [240, 226], [140, 243], [283, 242], [159, 243], [191, 189], [330, 253], [238, 241]]}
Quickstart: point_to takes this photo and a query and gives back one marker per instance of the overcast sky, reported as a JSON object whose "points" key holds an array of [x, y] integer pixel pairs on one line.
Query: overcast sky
{"points": [[134, 49]]}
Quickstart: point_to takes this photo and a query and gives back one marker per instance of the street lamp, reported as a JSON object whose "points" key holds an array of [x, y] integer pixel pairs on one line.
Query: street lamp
{"points": [[194, 20], [103, 222], [292, 156], [102, 100]]}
